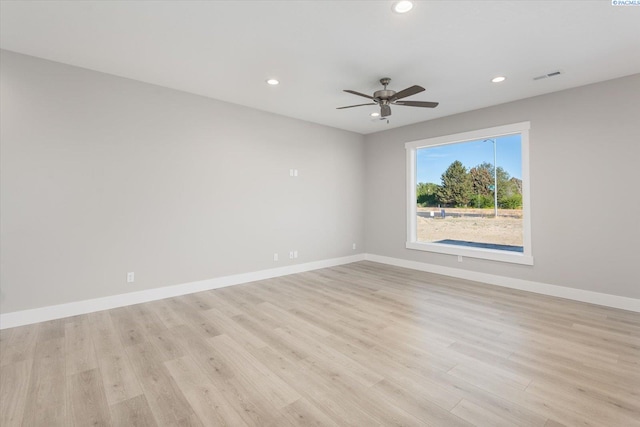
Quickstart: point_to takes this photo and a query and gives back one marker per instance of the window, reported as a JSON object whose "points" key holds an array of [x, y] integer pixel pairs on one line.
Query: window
{"points": [[468, 194]]}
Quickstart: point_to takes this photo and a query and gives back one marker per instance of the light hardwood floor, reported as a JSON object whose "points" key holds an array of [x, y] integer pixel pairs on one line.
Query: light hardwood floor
{"points": [[362, 344]]}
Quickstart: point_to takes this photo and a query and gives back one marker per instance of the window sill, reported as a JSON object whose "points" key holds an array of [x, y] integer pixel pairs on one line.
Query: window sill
{"points": [[488, 254]]}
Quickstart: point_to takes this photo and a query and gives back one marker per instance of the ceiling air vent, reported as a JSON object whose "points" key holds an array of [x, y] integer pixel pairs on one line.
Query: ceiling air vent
{"points": [[551, 74]]}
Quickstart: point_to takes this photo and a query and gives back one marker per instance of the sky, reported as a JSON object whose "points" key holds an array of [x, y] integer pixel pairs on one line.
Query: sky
{"points": [[433, 161]]}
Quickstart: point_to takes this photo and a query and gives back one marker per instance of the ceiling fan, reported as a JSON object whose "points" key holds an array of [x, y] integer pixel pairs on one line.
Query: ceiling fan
{"points": [[385, 98]]}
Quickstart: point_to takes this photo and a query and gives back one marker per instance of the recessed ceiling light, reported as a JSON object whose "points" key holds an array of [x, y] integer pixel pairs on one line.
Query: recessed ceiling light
{"points": [[498, 79], [402, 6], [273, 82], [375, 114]]}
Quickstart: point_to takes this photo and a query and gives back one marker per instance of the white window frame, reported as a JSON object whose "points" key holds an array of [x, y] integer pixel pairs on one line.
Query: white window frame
{"points": [[525, 257]]}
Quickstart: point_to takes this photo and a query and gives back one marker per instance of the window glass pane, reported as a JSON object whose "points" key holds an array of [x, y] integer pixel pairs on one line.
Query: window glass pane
{"points": [[456, 194]]}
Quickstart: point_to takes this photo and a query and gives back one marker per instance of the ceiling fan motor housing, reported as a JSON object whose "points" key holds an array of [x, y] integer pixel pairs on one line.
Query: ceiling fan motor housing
{"points": [[384, 94]]}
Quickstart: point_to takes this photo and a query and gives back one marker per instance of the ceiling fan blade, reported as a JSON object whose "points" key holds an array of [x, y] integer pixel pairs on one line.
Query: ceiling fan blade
{"points": [[418, 104], [407, 92], [351, 106], [385, 110], [359, 94]]}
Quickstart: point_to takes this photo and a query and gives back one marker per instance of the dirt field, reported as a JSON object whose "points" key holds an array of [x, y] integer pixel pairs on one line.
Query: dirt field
{"points": [[504, 230]]}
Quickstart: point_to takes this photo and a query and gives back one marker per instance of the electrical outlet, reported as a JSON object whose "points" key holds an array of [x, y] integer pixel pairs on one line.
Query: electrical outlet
{"points": [[354, 246], [295, 254], [291, 255], [130, 277], [275, 257], [459, 258]]}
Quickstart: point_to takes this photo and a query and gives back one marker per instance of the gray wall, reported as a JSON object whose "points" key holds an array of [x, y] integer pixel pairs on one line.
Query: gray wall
{"points": [[103, 175], [585, 187]]}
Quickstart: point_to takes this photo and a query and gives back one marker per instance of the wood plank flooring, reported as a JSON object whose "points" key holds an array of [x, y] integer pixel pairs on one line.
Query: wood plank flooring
{"points": [[357, 345]]}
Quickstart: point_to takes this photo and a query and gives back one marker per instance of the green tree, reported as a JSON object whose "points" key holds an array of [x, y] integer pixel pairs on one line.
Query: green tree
{"points": [[482, 179], [510, 193], [456, 188], [509, 189], [481, 202], [511, 202], [482, 184], [426, 194], [505, 187]]}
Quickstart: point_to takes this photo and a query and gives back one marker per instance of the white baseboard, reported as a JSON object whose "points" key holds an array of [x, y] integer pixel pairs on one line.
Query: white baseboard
{"points": [[42, 314], [608, 300]]}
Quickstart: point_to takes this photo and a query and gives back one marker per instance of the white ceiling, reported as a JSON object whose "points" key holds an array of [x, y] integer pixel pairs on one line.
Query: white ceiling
{"points": [[227, 49]]}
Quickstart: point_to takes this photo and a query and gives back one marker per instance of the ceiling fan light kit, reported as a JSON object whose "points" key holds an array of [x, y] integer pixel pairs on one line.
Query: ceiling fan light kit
{"points": [[403, 6], [387, 97]]}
